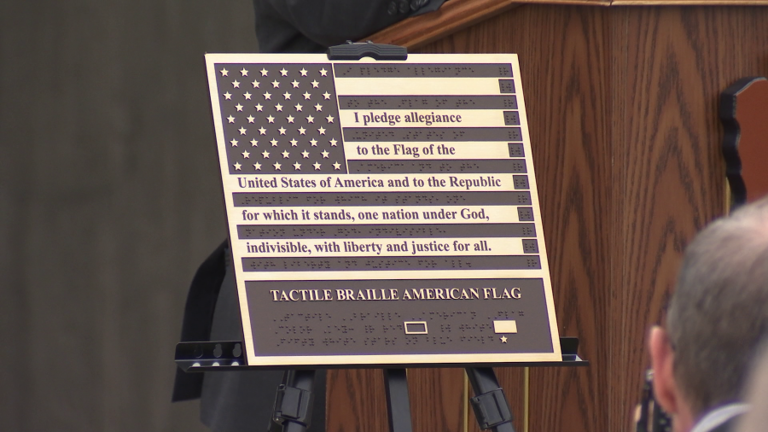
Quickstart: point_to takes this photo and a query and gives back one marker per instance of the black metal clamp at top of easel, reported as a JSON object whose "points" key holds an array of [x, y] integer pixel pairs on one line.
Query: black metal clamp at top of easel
{"points": [[357, 50]]}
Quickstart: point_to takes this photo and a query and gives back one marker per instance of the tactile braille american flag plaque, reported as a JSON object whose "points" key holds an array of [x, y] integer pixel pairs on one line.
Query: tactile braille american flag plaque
{"points": [[382, 212]]}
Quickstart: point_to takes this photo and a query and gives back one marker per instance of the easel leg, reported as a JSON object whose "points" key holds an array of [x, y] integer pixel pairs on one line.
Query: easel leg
{"points": [[293, 403], [490, 404], [398, 402]]}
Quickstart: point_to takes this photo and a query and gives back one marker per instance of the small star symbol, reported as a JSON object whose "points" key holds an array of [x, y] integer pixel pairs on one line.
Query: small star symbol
{"points": [[283, 72], [313, 142], [267, 96], [310, 119], [286, 155], [246, 155], [247, 95], [257, 166], [224, 72], [276, 84], [278, 107], [233, 142], [298, 107], [274, 142], [231, 119], [294, 143], [315, 84], [262, 130], [302, 131], [281, 130], [326, 95], [297, 166], [244, 72], [329, 119], [333, 142], [239, 107], [256, 84], [503, 339], [289, 119], [336, 166], [321, 131], [270, 119], [228, 96], [323, 72], [236, 84], [295, 84], [251, 119], [286, 95], [317, 166], [254, 143], [307, 95], [277, 166], [259, 107], [305, 154], [264, 72], [325, 154], [303, 72], [237, 166], [265, 154], [319, 107], [242, 131]]}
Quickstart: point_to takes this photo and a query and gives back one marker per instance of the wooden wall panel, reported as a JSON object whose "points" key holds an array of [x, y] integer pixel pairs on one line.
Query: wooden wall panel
{"points": [[563, 61], [671, 65]]}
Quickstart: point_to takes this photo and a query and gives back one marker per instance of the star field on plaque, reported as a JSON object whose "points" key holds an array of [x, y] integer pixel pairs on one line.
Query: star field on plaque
{"points": [[382, 212]]}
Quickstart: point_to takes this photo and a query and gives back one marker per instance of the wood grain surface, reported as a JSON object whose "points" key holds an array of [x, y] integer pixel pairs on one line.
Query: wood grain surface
{"points": [[622, 109]]}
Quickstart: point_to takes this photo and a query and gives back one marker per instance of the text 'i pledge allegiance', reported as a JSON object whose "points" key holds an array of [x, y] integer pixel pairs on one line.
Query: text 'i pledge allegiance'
{"points": [[412, 117]]}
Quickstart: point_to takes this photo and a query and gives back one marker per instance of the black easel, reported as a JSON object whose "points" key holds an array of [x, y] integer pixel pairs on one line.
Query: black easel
{"points": [[293, 400]]}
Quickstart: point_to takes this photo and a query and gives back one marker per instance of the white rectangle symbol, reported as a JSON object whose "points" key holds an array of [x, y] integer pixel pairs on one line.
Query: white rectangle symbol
{"points": [[505, 326], [415, 327]]}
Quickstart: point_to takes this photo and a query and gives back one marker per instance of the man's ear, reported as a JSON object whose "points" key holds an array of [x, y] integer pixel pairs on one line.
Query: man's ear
{"points": [[662, 363]]}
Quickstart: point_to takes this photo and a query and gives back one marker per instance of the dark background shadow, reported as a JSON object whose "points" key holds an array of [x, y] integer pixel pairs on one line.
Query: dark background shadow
{"points": [[109, 199]]}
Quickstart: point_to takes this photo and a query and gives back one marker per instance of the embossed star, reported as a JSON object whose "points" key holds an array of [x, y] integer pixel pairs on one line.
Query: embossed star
{"points": [[336, 166], [237, 166], [310, 119], [318, 107], [305, 154], [254, 143], [297, 166], [270, 119], [244, 72], [329, 119], [239, 107], [231, 119], [236, 84], [286, 155], [332, 142], [325, 154], [257, 166], [277, 166], [274, 142], [295, 84], [327, 96], [278, 107], [267, 96], [247, 95], [321, 131], [275, 84], [302, 131], [303, 72], [251, 119], [281, 130], [256, 84], [224, 72], [323, 72], [315, 84], [259, 107], [233, 142], [242, 131], [307, 95], [246, 155], [265, 154], [317, 166], [264, 72], [298, 107], [283, 72], [228, 96]]}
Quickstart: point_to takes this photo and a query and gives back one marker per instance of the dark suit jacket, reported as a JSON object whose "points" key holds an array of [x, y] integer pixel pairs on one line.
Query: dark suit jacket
{"points": [[239, 401]]}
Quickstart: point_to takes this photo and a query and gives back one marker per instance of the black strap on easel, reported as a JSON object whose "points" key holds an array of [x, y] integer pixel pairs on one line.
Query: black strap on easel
{"points": [[293, 402]]}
